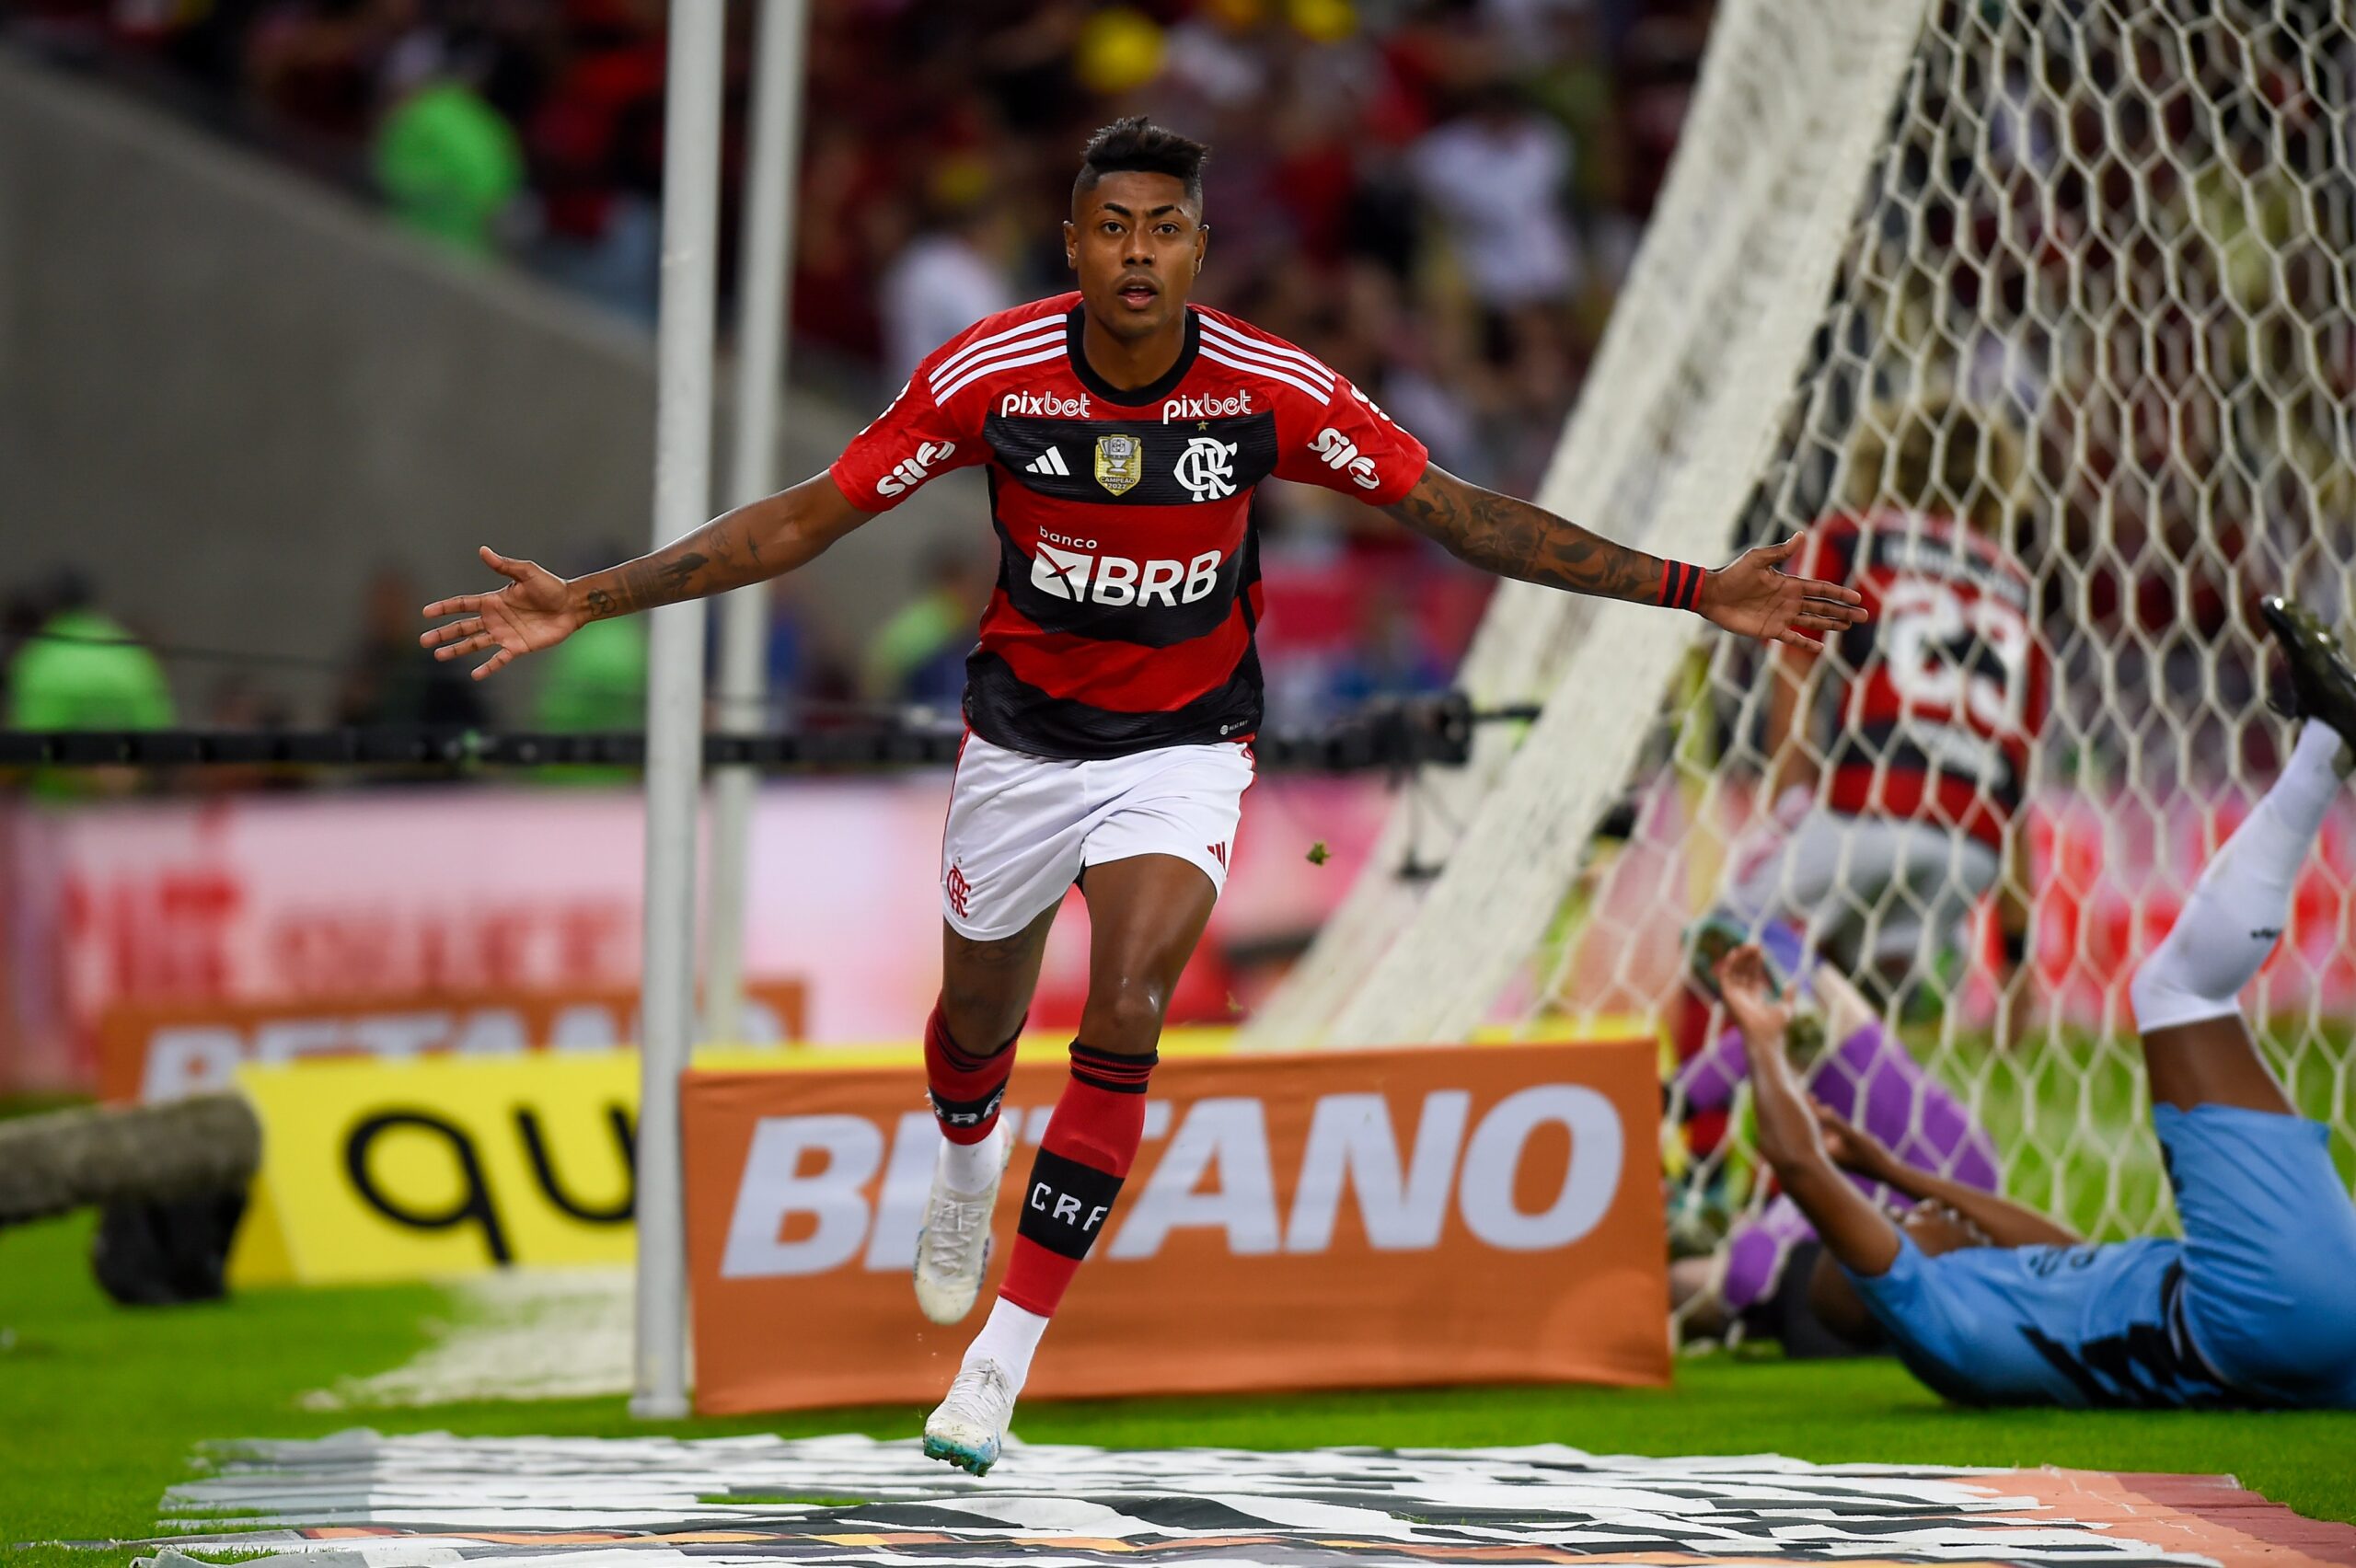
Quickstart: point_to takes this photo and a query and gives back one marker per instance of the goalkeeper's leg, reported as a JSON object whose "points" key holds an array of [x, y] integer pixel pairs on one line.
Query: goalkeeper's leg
{"points": [[2187, 993], [2270, 1234]]}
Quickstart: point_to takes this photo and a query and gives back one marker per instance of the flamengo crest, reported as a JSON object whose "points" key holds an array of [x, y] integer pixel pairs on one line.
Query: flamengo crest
{"points": [[1207, 467]]}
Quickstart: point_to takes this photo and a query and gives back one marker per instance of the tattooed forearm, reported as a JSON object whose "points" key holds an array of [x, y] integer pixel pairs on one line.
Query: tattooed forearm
{"points": [[695, 566], [1514, 538], [759, 540]]}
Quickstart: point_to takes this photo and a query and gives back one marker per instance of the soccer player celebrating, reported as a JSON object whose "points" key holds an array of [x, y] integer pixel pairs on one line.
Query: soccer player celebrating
{"points": [[1114, 696], [1989, 1302]]}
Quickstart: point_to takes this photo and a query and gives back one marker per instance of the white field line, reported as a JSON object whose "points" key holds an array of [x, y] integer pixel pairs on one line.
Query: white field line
{"points": [[516, 1334]]}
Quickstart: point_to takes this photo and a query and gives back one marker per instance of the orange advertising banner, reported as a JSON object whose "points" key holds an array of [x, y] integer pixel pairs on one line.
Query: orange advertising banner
{"points": [[1302, 1221], [161, 1051]]}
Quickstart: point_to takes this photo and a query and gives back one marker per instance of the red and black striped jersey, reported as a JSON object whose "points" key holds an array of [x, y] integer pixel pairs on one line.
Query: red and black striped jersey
{"points": [[1128, 587], [1945, 687]]}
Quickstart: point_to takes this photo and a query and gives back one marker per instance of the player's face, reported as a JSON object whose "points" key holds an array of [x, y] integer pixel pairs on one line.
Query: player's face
{"points": [[1935, 1228], [1136, 243]]}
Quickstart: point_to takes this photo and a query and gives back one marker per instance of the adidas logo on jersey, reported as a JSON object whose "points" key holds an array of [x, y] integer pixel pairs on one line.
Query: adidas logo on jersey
{"points": [[1043, 404], [1117, 579], [1206, 408], [1051, 461]]}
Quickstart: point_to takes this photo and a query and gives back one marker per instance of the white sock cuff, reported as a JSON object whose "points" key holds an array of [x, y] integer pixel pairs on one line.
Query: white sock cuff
{"points": [[2163, 1001], [2242, 901], [971, 1168], [1010, 1337]]}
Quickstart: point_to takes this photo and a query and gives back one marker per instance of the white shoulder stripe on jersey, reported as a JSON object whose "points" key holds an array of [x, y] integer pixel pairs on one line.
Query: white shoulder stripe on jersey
{"points": [[1218, 356], [996, 357], [1053, 350], [1324, 382], [949, 367], [1002, 351], [1230, 338]]}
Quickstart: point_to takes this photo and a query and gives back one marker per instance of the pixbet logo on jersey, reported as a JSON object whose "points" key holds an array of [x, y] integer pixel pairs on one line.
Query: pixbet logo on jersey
{"points": [[912, 471], [1043, 404], [1117, 579], [1206, 408]]}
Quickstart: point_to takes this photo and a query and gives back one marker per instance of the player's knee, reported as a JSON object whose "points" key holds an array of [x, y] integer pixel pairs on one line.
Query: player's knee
{"points": [[1124, 1015], [980, 1019]]}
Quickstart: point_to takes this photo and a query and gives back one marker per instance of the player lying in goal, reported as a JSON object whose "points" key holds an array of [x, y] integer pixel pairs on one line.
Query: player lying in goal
{"points": [[1115, 690], [1989, 1302]]}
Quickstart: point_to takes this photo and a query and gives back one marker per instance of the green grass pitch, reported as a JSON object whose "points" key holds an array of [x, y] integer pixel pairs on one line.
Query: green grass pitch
{"points": [[100, 1407]]}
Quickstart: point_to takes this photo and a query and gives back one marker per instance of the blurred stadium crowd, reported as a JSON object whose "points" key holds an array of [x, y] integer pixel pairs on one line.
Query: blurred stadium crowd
{"points": [[1436, 196]]}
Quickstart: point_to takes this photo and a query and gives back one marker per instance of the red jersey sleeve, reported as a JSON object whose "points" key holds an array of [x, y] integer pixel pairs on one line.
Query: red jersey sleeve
{"points": [[912, 443], [1352, 447]]}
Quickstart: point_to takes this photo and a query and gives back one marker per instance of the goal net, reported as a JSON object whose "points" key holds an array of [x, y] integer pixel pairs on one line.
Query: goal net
{"points": [[2049, 309]]}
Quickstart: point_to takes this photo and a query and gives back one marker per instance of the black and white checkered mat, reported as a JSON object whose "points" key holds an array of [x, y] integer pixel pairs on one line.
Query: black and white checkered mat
{"points": [[396, 1502]]}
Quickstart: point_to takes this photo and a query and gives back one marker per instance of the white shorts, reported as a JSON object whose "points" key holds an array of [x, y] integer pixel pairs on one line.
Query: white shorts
{"points": [[1021, 828], [1874, 891]]}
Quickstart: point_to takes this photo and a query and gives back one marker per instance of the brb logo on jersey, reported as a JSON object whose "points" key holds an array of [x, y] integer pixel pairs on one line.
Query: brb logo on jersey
{"points": [[1084, 577], [1207, 467], [907, 474], [1341, 453], [1043, 404]]}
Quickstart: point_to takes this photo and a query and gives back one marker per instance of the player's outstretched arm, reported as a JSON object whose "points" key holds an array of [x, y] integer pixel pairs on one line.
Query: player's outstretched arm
{"points": [[2005, 1222], [537, 609], [1856, 1231], [1513, 538]]}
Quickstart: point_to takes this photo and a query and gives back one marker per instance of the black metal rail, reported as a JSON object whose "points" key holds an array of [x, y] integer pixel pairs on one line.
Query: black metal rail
{"points": [[1387, 735]]}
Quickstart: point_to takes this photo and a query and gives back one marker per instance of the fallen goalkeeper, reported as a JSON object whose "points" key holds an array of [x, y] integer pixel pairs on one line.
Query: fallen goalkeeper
{"points": [[1992, 1303]]}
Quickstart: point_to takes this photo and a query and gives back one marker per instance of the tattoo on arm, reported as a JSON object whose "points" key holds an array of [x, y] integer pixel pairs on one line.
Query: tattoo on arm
{"points": [[728, 552], [687, 569], [681, 574], [1514, 538]]}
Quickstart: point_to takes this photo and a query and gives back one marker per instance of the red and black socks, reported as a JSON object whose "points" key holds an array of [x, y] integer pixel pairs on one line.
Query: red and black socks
{"points": [[965, 1089], [1090, 1141]]}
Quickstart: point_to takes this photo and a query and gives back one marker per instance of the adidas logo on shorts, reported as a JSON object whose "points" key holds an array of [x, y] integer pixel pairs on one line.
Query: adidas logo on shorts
{"points": [[1051, 461]]}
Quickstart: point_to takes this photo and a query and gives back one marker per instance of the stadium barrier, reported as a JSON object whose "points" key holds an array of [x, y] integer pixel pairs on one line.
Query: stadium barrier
{"points": [[162, 1050], [322, 903], [1295, 1220]]}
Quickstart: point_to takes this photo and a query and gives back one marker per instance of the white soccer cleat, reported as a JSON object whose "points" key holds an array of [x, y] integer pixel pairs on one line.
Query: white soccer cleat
{"points": [[953, 1248], [968, 1427]]}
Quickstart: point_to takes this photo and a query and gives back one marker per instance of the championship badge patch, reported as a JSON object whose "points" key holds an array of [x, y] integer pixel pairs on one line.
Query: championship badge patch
{"points": [[1119, 463]]}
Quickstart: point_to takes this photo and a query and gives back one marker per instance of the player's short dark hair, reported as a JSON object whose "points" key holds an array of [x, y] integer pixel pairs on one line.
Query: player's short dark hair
{"points": [[1135, 144]]}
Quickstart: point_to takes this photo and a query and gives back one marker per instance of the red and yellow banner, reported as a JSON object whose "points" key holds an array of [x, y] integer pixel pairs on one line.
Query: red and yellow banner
{"points": [[1322, 1219]]}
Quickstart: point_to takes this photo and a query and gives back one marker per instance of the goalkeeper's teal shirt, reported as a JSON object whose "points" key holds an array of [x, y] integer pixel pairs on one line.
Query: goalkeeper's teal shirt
{"points": [[2254, 1307]]}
